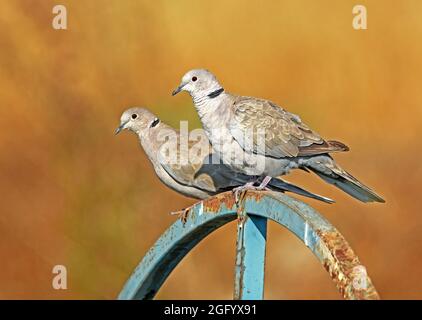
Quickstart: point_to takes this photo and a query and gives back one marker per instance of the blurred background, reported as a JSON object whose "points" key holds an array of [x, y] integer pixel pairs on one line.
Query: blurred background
{"points": [[74, 194]]}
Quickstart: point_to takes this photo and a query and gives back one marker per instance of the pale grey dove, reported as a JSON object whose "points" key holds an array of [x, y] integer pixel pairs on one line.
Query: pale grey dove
{"points": [[198, 176], [281, 141]]}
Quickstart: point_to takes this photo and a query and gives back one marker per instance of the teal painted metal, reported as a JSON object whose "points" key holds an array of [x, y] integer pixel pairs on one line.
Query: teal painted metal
{"points": [[327, 244], [250, 257], [170, 248]]}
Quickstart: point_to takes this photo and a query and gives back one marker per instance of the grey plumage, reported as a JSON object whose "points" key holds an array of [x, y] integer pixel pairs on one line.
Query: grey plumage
{"points": [[279, 142], [199, 176], [326, 168]]}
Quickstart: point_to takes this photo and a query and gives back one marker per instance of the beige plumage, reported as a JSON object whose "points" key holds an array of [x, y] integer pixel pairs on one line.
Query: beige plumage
{"points": [[256, 137], [285, 134], [198, 175]]}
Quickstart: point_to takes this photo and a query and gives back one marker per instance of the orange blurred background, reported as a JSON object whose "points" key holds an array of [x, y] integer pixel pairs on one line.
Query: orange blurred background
{"points": [[74, 194]]}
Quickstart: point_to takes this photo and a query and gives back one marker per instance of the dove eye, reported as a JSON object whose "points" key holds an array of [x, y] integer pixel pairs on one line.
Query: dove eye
{"points": [[134, 116], [194, 79]]}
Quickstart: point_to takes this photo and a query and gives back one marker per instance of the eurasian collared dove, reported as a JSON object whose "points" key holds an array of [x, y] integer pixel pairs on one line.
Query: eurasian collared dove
{"points": [[256, 137], [192, 174]]}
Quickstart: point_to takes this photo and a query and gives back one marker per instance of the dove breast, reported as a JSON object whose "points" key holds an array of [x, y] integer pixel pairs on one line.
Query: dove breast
{"points": [[229, 142]]}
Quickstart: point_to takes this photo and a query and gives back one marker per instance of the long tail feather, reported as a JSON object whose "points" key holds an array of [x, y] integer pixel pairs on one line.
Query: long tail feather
{"points": [[332, 173], [276, 184]]}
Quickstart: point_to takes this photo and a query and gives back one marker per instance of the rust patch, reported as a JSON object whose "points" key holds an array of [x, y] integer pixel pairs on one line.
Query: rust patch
{"points": [[227, 199], [344, 267], [214, 204], [185, 214], [240, 258], [255, 195]]}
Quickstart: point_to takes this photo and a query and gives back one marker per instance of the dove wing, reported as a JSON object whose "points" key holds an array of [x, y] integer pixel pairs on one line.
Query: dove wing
{"points": [[200, 172], [185, 169], [283, 133]]}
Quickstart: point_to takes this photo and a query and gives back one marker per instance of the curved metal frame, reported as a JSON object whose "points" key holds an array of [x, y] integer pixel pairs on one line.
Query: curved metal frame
{"points": [[252, 212]]}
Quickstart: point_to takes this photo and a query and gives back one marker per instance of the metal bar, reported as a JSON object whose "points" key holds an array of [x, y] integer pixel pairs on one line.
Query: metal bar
{"points": [[175, 243], [250, 258], [322, 238]]}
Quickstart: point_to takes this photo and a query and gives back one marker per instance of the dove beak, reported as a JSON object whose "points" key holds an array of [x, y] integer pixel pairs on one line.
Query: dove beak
{"points": [[178, 89], [120, 128]]}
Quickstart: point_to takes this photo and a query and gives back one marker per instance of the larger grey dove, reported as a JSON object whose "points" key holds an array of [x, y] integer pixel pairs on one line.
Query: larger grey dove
{"points": [[256, 137], [196, 175]]}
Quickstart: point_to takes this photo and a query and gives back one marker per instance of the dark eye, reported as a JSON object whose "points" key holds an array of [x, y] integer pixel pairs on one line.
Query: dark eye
{"points": [[194, 79], [134, 116]]}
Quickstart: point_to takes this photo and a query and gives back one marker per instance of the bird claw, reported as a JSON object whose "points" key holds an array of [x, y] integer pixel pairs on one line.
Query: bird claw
{"points": [[250, 186], [239, 190]]}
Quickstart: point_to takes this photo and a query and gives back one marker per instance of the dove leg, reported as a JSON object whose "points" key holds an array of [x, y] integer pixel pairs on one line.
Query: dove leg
{"points": [[264, 183], [246, 186], [251, 186], [238, 190]]}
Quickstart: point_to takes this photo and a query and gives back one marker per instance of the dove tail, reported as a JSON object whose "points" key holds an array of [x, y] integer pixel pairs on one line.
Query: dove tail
{"points": [[276, 184], [329, 171]]}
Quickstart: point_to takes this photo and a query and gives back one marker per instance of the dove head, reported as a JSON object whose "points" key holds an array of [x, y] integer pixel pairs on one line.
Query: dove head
{"points": [[138, 120], [199, 83]]}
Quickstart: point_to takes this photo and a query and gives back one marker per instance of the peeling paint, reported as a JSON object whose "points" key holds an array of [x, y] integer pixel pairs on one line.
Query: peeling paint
{"points": [[214, 204], [344, 266], [329, 246]]}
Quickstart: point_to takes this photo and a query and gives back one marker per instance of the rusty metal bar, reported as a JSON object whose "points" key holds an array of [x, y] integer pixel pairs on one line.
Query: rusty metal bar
{"points": [[250, 257], [327, 244]]}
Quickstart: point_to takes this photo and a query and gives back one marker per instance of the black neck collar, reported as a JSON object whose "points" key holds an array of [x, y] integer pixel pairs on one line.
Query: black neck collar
{"points": [[154, 123], [215, 93]]}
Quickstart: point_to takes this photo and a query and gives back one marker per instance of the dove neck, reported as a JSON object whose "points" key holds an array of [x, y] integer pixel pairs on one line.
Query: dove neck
{"points": [[149, 142], [200, 97], [209, 103]]}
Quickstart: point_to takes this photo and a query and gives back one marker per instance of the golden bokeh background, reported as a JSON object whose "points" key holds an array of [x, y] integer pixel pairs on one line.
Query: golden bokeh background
{"points": [[74, 194]]}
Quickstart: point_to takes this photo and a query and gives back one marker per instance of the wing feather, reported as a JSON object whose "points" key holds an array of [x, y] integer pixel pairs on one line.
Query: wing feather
{"points": [[283, 133]]}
